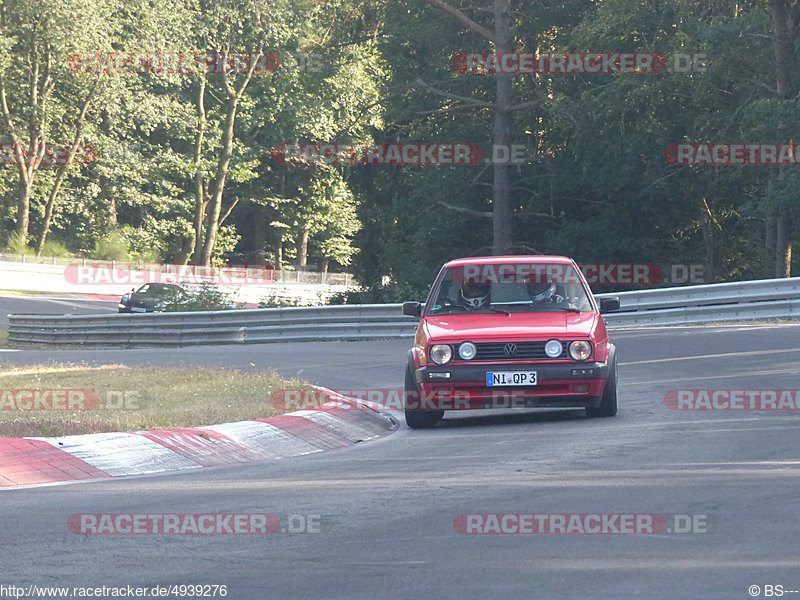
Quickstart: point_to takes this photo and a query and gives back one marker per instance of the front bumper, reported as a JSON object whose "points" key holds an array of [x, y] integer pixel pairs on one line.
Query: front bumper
{"points": [[463, 386]]}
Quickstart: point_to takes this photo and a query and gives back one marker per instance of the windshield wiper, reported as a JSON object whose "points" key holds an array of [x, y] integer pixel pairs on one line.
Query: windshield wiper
{"points": [[499, 311]]}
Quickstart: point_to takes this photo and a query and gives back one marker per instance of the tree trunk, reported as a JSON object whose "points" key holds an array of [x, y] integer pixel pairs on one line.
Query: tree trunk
{"points": [[279, 255], [302, 249], [708, 244], [199, 182], [501, 193], [215, 209], [259, 233], [501, 130], [184, 251], [783, 243], [62, 172], [23, 209], [784, 26], [769, 233]]}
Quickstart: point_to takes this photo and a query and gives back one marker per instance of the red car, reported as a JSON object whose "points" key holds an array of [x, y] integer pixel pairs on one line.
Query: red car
{"points": [[510, 332]]}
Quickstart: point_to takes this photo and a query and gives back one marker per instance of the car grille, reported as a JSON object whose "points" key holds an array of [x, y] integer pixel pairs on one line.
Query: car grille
{"points": [[524, 351]]}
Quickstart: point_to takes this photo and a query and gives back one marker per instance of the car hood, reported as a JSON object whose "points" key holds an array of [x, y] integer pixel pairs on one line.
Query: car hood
{"points": [[515, 325]]}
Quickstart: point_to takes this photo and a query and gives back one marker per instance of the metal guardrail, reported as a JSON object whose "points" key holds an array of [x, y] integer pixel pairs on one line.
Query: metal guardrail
{"points": [[773, 298], [348, 322], [714, 303]]}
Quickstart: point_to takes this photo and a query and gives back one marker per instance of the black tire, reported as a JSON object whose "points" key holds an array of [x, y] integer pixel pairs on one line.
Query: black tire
{"points": [[608, 404], [419, 419]]}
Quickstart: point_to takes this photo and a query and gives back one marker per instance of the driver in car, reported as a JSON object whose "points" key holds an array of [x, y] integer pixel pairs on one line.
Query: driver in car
{"points": [[475, 295], [545, 293]]}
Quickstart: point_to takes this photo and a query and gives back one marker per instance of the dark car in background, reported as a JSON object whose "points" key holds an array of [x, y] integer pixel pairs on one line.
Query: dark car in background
{"points": [[152, 297]]}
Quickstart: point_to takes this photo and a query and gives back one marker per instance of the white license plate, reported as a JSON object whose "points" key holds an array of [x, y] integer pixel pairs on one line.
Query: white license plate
{"points": [[505, 378], [138, 309]]}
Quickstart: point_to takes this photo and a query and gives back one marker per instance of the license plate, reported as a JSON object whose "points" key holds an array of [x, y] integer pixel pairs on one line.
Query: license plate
{"points": [[505, 378], [137, 309]]}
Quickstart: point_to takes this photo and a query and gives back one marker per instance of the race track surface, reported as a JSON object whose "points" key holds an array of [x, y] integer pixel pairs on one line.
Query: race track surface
{"points": [[387, 507], [51, 304]]}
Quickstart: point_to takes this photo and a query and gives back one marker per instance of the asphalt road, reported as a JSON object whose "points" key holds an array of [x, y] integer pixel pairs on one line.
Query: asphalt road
{"points": [[51, 304], [388, 506]]}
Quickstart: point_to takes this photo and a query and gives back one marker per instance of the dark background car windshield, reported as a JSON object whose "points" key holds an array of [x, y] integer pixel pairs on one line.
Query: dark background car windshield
{"points": [[159, 291]]}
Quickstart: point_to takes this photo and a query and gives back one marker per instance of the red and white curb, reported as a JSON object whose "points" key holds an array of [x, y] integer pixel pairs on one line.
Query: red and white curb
{"points": [[28, 461]]}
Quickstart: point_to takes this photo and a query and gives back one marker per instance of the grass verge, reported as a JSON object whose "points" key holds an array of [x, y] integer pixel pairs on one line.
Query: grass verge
{"points": [[137, 399]]}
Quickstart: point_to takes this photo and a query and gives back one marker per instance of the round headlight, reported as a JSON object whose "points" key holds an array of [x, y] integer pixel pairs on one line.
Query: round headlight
{"points": [[467, 350], [441, 354], [553, 348], [580, 350]]}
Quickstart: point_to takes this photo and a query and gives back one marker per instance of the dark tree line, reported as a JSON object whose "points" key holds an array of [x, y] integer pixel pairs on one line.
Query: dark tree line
{"points": [[184, 171]]}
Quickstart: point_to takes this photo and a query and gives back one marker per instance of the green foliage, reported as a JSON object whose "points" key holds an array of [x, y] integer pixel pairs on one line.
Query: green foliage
{"points": [[15, 245], [55, 248], [111, 247], [200, 298], [382, 294], [279, 301], [51, 248], [147, 244]]}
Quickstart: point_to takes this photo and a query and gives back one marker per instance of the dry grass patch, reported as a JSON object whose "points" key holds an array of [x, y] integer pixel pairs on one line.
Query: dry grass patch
{"points": [[138, 399]]}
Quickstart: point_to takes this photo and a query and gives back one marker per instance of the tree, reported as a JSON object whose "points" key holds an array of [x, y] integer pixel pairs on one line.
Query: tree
{"points": [[500, 38], [36, 40]]}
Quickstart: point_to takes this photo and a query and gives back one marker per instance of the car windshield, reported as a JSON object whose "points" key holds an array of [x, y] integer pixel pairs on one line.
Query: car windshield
{"points": [[510, 288], [159, 291]]}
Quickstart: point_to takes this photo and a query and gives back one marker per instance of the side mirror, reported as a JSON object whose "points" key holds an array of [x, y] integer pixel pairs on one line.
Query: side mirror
{"points": [[609, 304], [412, 309]]}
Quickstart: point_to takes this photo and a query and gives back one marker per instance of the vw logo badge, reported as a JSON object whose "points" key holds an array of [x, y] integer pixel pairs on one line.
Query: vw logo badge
{"points": [[510, 349]]}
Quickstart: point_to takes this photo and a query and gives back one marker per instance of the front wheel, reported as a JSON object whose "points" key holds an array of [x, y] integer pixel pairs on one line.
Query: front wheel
{"points": [[608, 404], [419, 419]]}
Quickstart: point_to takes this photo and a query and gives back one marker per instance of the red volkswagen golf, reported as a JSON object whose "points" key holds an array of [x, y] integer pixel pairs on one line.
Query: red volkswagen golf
{"points": [[510, 332]]}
